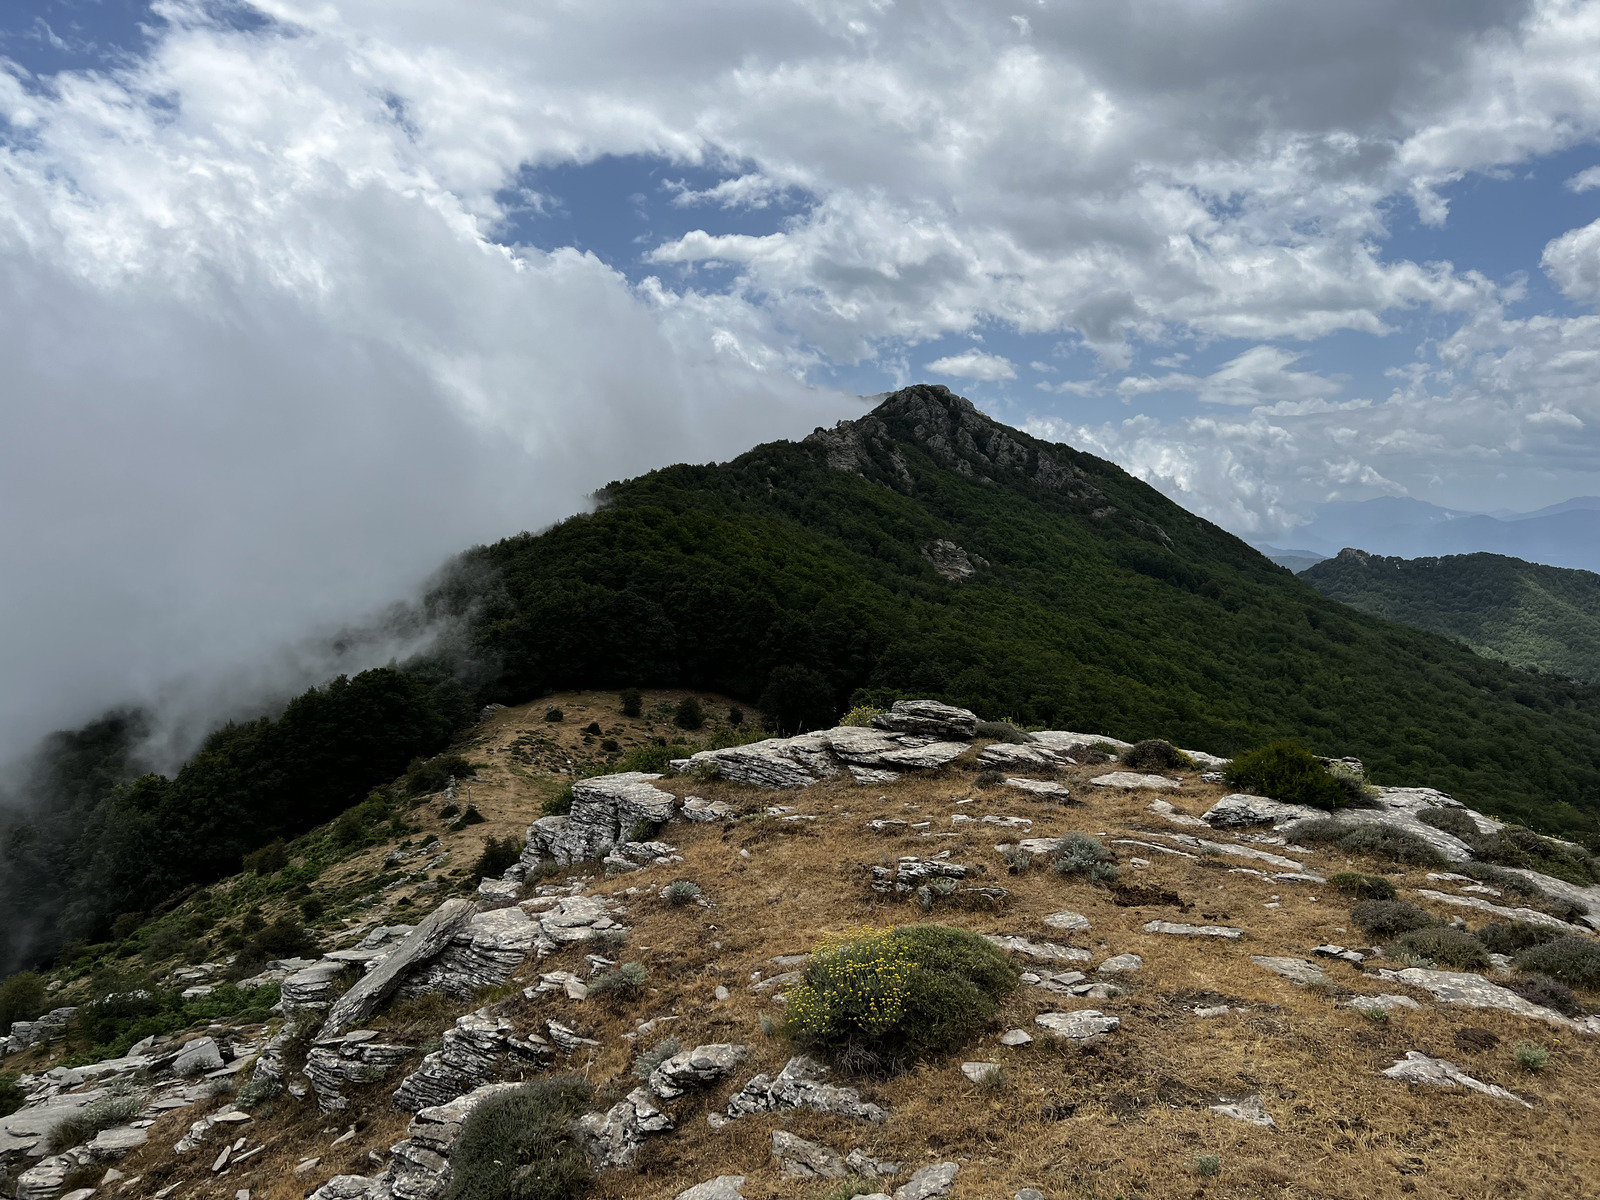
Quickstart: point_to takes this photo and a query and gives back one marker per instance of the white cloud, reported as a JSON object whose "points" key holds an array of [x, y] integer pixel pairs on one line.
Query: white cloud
{"points": [[264, 367], [974, 364], [1585, 180], [1573, 263]]}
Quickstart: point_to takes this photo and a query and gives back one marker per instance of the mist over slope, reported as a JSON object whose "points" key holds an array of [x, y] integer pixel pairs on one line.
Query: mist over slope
{"points": [[922, 550]]}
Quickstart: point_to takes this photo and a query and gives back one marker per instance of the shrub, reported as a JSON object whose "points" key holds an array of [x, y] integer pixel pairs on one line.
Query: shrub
{"points": [[558, 805], [498, 854], [1365, 887], [988, 779], [521, 1145], [12, 1097], [1369, 838], [1207, 1165], [1080, 854], [860, 716], [1017, 860], [1288, 772], [1445, 944], [619, 984], [1390, 918], [1453, 821], [1001, 731], [610, 745], [689, 714], [22, 998], [312, 907], [1509, 937], [471, 816], [1551, 993], [349, 829], [632, 702], [736, 716], [1575, 961], [1377, 1014], [284, 938], [1532, 1058], [797, 699], [259, 1090], [1513, 846], [592, 729], [89, 1120], [1156, 755], [885, 999], [269, 860], [426, 776], [649, 1060], [680, 891]]}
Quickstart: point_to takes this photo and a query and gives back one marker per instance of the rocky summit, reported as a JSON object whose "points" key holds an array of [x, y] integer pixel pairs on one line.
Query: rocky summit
{"points": [[1208, 991]]}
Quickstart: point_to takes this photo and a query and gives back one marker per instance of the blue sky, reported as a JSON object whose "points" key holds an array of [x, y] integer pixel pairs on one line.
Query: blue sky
{"points": [[298, 297]]}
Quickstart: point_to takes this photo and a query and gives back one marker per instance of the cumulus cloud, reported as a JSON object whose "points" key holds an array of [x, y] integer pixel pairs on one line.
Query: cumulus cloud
{"points": [[267, 363], [974, 364], [1572, 261]]}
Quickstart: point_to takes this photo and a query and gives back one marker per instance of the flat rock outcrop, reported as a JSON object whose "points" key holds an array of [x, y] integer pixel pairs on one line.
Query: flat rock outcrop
{"points": [[1417, 1067], [473, 1051], [605, 812], [614, 1138], [424, 942], [802, 1084], [356, 1057]]}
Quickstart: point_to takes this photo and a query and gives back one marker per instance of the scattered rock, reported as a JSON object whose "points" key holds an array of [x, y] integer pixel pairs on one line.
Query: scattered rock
{"points": [[862, 1163], [1066, 920], [1416, 1067], [498, 893], [800, 1159], [472, 1052], [1131, 780], [696, 809], [979, 1072], [1120, 963], [1474, 991], [1528, 916], [1233, 851], [197, 1056], [613, 1139], [1075, 743], [1177, 930], [422, 943], [1006, 756], [910, 873], [1249, 1110], [1164, 809], [695, 1068], [1043, 951], [1383, 1000], [1297, 970], [566, 1038], [1043, 789], [1085, 1023], [929, 1182], [800, 1085], [1015, 1037], [1354, 957], [354, 1058], [723, 1187]]}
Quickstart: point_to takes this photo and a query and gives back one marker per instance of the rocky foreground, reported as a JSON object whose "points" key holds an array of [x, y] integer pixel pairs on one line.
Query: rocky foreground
{"points": [[1214, 1006]]}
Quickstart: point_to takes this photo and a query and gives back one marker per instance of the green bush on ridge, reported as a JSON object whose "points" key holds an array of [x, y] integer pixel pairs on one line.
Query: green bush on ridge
{"points": [[522, 1145], [1286, 771]]}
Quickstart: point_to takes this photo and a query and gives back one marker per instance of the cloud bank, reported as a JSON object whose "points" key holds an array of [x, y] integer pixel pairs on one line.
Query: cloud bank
{"points": [[270, 357]]}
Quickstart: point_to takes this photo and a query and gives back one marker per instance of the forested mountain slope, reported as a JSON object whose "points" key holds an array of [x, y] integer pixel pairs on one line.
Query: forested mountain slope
{"points": [[927, 549], [1526, 613]]}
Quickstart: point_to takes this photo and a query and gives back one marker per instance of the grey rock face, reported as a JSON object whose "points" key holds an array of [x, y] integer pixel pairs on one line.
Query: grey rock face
{"points": [[1132, 780], [481, 952], [354, 1058], [472, 1052], [346, 1187], [1180, 930], [1066, 921], [950, 560], [695, 1068], [1416, 1067], [1249, 1110], [1042, 951], [910, 873], [931, 1181], [28, 1033], [800, 1159], [777, 763], [604, 813], [1241, 811], [928, 718], [43, 1180], [422, 943], [1085, 1023], [1120, 963], [309, 988], [1297, 970], [498, 893], [1474, 991], [1074, 743], [419, 1168], [634, 856], [1528, 916], [1042, 789], [697, 809], [1008, 756], [723, 1187], [111, 1144], [613, 1138], [801, 1085], [198, 1056]]}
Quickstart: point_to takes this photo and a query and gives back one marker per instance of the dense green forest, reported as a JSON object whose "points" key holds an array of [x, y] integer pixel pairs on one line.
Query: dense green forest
{"points": [[94, 841], [1528, 614], [1100, 605], [1084, 599]]}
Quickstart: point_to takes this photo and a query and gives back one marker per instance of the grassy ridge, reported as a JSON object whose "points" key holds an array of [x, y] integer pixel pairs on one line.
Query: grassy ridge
{"points": [[1524, 613], [1144, 621]]}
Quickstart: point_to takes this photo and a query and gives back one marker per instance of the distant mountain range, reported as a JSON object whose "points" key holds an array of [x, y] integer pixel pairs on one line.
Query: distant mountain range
{"points": [[1561, 535], [1527, 614]]}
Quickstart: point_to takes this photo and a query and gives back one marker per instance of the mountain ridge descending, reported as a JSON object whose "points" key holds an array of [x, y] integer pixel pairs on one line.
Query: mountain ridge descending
{"points": [[1101, 603], [1528, 614]]}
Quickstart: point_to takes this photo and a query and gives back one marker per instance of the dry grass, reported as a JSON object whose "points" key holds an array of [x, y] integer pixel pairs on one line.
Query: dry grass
{"points": [[1126, 1117]]}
